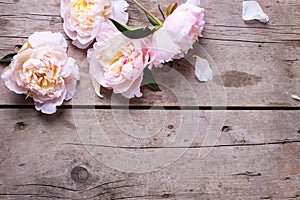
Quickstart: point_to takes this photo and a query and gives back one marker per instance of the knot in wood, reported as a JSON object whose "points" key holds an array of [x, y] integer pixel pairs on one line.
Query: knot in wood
{"points": [[79, 174]]}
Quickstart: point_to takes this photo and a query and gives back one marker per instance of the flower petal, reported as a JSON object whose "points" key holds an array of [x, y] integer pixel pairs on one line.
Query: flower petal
{"points": [[63, 5], [43, 38], [194, 2], [252, 10], [162, 48], [135, 90], [69, 67], [97, 88], [119, 11], [49, 107], [203, 70]]}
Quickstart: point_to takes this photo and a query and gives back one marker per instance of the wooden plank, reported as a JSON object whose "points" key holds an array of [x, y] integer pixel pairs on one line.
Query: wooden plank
{"points": [[233, 127], [258, 63], [257, 160]]}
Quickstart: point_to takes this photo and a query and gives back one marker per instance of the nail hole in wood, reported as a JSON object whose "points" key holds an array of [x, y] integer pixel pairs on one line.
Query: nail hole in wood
{"points": [[20, 126], [170, 127], [166, 195], [79, 174], [226, 129]]}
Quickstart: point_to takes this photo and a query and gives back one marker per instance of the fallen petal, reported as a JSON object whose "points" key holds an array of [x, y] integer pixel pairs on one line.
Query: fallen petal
{"points": [[203, 70], [296, 97], [97, 87], [252, 11]]}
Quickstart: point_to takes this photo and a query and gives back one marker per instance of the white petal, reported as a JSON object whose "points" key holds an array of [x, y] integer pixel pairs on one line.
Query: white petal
{"points": [[49, 106], [203, 71], [80, 45], [135, 90], [63, 5], [45, 108], [252, 11], [97, 87], [163, 48], [296, 97], [43, 38], [70, 87], [194, 2], [13, 86], [69, 67], [119, 11]]}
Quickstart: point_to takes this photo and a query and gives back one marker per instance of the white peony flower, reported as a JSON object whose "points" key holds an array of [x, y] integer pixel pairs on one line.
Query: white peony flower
{"points": [[43, 71]]}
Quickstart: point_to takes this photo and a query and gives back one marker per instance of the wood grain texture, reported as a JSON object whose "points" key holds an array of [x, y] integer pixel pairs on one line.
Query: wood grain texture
{"points": [[259, 64], [257, 160], [198, 154]]}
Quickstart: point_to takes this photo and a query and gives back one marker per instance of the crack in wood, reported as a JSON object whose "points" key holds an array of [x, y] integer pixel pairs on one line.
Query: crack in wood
{"points": [[34, 195], [242, 41], [297, 196], [50, 186], [107, 183], [107, 190], [138, 196], [267, 197], [5, 3], [248, 174], [191, 147]]}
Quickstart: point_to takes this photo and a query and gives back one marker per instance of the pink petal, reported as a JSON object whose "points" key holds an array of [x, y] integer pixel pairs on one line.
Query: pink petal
{"points": [[70, 87], [81, 46], [119, 11], [63, 5], [193, 2], [68, 68], [44, 38], [135, 90], [108, 30], [49, 107], [162, 48], [13, 86]]}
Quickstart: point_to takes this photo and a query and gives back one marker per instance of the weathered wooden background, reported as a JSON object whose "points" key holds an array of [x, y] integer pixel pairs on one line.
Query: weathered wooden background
{"points": [[257, 155]]}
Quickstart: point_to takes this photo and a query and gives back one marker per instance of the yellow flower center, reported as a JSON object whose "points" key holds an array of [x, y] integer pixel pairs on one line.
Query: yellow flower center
{"points": [[41, 74], [85, 11], [123, 63]]}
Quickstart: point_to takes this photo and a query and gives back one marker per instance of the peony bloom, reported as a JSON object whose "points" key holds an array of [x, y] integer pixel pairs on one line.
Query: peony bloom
{"points": [[179, 32], [43, 71], [118, 63], [85, 19]]}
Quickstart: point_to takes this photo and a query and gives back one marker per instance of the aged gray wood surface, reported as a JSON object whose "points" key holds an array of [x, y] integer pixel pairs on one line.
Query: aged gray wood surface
{"points": [[257, 160], [217, 154]]}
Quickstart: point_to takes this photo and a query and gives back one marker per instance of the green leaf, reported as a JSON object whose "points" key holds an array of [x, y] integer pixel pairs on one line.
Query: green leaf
{"points": [[149, 80], [171, 8], [152, 20], [7, 58], [161, 12], [153, 86], [134, 32]]}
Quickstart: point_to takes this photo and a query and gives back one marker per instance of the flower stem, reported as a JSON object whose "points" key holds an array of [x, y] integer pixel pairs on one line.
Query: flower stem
{"points": [[147, 11]]}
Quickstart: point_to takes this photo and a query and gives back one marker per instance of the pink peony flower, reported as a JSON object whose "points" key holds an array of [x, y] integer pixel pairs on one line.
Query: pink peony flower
{"points": [[179, 32], [85, 19], [43, 71], [118, 63]]}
